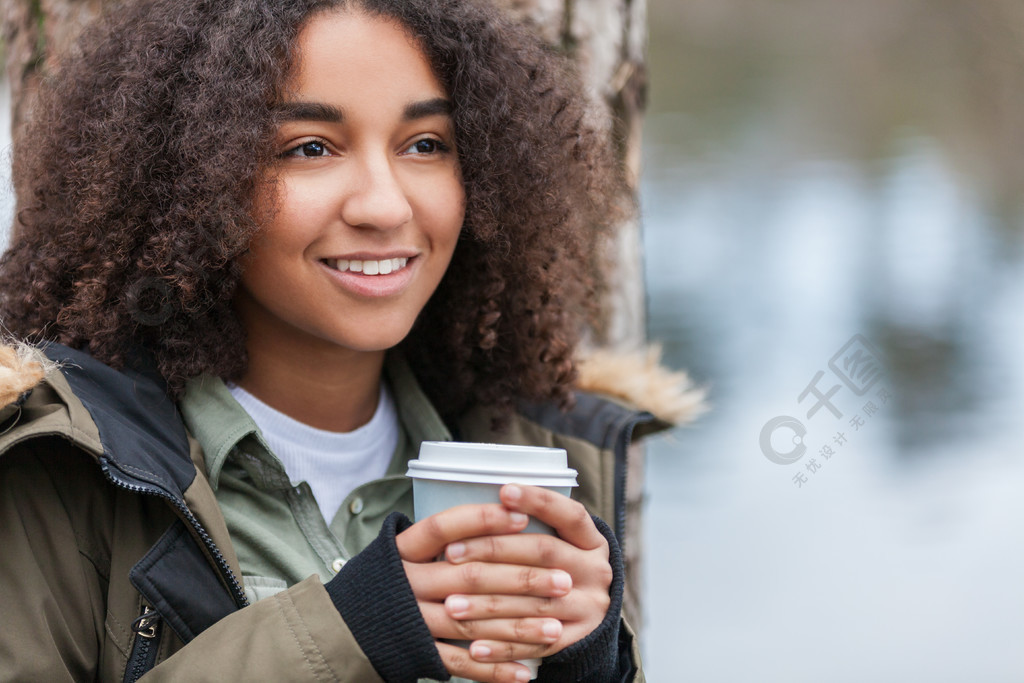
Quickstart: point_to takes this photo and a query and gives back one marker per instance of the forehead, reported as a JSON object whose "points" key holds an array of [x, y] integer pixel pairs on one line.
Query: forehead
{"points": [[346, 52]]}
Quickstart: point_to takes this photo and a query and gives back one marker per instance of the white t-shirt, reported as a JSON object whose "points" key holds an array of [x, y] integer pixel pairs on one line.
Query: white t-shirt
{"points": [[333, 463]]}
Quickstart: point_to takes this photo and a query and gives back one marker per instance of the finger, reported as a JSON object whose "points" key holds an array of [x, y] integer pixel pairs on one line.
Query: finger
{"points": [[529, 630], [474, 607], [538, 550], [426, 539], [501, 651], [459, 663], [567, 517], [437, 580]]}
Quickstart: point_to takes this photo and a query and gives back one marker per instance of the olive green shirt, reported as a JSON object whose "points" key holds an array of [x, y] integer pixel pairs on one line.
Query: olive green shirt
{"points": [[276, 526]]}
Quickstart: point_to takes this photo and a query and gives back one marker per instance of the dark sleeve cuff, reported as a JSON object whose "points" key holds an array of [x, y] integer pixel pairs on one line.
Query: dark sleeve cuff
{"points": [[376, 601], [604, 655]]}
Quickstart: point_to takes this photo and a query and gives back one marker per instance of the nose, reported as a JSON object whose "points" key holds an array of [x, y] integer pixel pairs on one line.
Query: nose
{"points": [[377, 198]]}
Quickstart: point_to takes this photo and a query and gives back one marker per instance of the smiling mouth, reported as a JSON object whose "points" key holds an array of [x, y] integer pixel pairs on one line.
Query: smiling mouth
{"points": [[381, 267]]}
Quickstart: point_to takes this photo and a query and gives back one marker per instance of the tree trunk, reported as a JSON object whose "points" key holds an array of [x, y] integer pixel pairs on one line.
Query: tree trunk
{"points": [[607, 38]]}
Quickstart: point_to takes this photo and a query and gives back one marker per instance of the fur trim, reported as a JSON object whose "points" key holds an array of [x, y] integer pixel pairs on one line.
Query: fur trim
{"points": [[21, 369], [640, 379]]}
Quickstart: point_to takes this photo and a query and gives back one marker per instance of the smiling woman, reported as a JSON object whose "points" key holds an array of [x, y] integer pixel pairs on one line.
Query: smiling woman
{"points": [[284, 244], [367, 177]]}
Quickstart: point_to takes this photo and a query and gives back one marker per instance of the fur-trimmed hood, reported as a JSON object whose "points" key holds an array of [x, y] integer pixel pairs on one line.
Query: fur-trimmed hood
{"points": [[640, 379], [21, 368]]}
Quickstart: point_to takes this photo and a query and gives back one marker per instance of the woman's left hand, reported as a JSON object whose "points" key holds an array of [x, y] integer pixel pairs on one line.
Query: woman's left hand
{"points": [[580, 550]]}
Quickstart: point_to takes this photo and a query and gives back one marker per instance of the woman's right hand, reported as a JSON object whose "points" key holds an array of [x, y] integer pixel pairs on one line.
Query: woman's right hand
{"points": [[433, 581]]}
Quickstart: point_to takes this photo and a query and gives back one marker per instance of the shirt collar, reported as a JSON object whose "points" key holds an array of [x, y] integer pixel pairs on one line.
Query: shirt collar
{"points": [[219, 423]]}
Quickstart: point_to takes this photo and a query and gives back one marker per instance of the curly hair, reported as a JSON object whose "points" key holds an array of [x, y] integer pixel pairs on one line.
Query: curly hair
{"points": [[137, 174]]}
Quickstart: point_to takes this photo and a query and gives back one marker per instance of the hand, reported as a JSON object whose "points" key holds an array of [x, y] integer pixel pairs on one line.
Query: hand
{"points": [[580, 550], [527, 632]]}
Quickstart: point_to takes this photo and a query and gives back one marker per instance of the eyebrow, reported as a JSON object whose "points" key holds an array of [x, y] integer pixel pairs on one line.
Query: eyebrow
{"points": [[309, 111], [434, 107], [319, 111]]}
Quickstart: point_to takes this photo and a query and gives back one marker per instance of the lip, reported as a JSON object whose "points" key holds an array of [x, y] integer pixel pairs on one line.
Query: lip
{"points": [[374, 286]]}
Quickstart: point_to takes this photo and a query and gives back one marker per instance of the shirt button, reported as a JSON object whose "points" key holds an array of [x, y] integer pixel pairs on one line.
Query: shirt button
{"points": [[337, 565], [356, 506]]}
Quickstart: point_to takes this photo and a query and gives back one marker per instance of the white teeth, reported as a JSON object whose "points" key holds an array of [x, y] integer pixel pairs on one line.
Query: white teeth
{"points": [[382, 267]]}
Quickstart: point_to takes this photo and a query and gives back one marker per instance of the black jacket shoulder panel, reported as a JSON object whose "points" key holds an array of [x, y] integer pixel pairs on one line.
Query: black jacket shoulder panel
{"points": [[594, 419], [142, 433]]}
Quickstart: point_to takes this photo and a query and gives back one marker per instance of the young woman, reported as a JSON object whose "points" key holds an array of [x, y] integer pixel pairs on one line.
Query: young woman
{"points": [[264, 250]]}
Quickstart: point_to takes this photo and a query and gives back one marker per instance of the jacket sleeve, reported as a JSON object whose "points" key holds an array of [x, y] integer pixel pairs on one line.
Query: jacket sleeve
{"points": [[363, 625]]}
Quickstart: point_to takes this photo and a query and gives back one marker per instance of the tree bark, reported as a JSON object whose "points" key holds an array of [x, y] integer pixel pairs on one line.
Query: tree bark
{"points": [[606, 38]]}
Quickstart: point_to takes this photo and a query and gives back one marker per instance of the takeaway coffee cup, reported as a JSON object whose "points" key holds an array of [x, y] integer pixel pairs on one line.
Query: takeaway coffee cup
{"points": [[450, 473]]}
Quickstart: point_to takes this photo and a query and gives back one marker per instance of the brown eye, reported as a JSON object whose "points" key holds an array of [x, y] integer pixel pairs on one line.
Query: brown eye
{"points": [[427, 146], [311, 149]]}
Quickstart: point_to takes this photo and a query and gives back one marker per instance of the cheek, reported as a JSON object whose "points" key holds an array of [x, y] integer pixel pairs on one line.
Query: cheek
{"points": [[448, 209]]}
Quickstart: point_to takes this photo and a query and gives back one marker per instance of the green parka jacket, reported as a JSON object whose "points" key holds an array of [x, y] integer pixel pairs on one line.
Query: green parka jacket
{"points": [[114, 555]]}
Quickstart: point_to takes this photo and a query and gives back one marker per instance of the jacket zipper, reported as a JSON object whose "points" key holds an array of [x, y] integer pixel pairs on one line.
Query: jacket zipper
{"points": [[237, 593], [147, 642]]}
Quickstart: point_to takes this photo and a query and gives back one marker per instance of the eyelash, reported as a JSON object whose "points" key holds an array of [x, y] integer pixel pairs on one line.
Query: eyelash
{"points": [[440, 148]]}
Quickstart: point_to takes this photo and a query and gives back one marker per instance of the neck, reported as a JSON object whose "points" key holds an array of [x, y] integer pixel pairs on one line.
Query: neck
{"points": [[332, 389]]}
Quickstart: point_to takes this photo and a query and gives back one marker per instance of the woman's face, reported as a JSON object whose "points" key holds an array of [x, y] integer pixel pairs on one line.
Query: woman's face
{"points": [[368, 198]]}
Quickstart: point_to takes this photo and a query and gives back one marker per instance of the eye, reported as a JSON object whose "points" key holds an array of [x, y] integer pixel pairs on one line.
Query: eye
{"points": [[308, 149], [427, 146]]}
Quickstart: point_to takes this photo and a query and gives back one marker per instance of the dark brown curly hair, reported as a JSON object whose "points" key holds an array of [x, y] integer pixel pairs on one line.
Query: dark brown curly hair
{"points": [[137, 173]]}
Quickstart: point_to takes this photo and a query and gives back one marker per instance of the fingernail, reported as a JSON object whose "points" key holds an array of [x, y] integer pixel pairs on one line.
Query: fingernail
{"points": [[513, 493], [456, 550], [561, 581], [479, 651], [523, 676], [519, 518], [457, 604], [552, 629]]}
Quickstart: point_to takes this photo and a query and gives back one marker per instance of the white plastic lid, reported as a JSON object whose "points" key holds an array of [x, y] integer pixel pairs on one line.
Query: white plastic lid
{"points": [[485, 463]]}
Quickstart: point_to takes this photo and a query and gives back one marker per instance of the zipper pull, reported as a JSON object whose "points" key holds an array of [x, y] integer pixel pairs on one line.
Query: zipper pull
{"points": [[146, 623]]}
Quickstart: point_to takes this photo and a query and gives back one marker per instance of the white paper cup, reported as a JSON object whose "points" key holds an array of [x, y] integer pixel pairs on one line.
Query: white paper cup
{"points": [[451, 473]]}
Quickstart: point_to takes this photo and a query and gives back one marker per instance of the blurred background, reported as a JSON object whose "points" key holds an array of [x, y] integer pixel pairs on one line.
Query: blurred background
{"points": [[818, 172]]}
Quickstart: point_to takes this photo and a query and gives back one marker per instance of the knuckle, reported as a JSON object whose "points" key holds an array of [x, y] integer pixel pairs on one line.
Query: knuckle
{"points": [[472, 574], [527, 579], [545, 606], [434, 528], [462, 661], [467, 629], [580, 515], [521, 629], [492, 605], [547, 551]]}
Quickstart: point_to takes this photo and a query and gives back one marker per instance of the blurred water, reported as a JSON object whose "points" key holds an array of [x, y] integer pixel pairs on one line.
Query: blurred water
{"points": [[771, 240]]}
